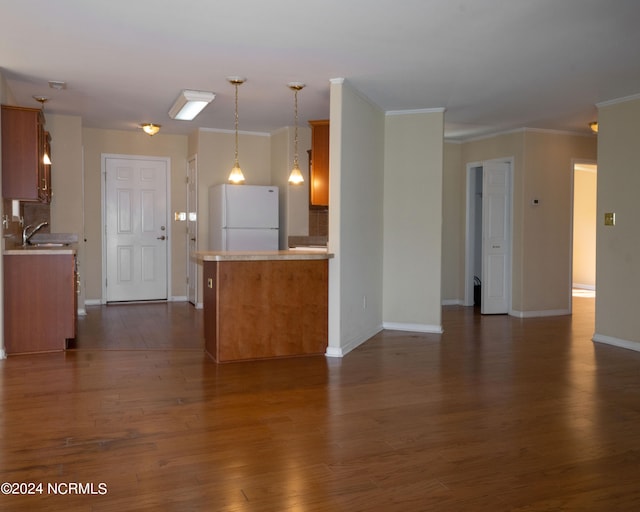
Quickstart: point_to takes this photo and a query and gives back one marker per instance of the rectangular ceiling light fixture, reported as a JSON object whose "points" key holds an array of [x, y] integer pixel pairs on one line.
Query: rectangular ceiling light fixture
{"points": [[189, 104]]}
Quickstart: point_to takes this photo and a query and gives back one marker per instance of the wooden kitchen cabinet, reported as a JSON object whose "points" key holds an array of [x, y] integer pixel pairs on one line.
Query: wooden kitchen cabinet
{"points": [[40, 301], [319, 164], [25, 176], [265, 308]]}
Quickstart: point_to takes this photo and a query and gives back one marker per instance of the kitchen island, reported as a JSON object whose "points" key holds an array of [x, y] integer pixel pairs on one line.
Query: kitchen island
{"points": [[265, 304]]}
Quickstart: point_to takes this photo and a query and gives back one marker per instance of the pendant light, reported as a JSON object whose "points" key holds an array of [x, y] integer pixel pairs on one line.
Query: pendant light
{"points": [[295, 178], [46, 159], [236, 175]]}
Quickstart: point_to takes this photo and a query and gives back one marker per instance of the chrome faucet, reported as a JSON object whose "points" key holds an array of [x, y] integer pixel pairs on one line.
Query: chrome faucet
{"points": [[26, 235]]}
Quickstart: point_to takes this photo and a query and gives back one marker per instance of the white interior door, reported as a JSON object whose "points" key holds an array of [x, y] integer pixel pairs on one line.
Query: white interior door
{"points": [[192, 230], [136, 236], [496, 237]]}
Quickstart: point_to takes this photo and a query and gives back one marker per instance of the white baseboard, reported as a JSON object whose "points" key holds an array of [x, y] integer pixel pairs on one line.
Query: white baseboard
{"points": [[584, 286], [616, 342], [93, 302], [544, 312], [199, 305], [426, 328], [178, 298], [3, 353], [453, 302], [351, 344]]}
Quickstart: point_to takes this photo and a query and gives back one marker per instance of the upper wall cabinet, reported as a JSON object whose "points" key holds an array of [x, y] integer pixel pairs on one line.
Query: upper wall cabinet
{"points": [[319, 165], [25, 142]]}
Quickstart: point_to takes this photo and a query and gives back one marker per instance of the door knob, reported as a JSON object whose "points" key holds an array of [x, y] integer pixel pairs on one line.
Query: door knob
{"points": [[193, 239], [162, 237]]}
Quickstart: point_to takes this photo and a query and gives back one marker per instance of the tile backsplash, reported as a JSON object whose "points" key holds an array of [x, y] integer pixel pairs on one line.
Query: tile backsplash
{"points": [[318, 222]]}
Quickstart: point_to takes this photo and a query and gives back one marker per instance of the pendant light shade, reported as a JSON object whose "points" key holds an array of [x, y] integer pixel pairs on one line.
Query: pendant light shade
{"points": [[46, 159], [236, 176], [295, 177]]}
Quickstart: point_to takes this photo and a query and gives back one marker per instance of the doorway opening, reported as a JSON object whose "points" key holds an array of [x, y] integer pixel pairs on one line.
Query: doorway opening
{"points": [[583, 244], [488, 236]]}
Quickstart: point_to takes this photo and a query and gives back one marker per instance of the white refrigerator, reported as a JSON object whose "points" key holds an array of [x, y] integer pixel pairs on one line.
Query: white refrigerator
{"points": [[243, 218]]}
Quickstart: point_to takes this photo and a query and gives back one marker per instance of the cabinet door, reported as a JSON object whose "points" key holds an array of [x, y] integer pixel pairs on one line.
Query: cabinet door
{"points": [[319, 182], [21, 152], [40, 308]]}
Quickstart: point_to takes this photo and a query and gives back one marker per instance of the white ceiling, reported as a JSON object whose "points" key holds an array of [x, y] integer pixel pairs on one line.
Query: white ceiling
{"points": [[494, 65]]}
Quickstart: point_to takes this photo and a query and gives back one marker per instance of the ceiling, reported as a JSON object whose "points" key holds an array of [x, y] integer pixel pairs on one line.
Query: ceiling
{"points": [[494, 65]]}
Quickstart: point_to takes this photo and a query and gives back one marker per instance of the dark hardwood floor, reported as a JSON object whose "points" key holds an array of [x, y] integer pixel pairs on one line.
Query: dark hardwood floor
{"points": [[496, 414], [141, 326]]}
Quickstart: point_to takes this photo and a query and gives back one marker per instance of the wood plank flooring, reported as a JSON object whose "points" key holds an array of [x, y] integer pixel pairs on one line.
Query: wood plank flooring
{"points": [[496, 414]]}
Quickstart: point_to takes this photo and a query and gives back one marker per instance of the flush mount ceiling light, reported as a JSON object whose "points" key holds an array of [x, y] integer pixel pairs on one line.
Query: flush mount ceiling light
{"points": [[295, 177], [150, 128], [236, 176], [594, 126], [189, 104]]}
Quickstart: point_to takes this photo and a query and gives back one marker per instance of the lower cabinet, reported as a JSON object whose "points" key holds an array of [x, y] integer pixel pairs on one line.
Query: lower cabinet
{"points": [[40, 303], [265, 309]]}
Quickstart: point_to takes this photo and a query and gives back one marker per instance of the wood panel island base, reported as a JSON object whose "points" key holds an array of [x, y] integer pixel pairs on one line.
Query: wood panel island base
{"points": [[261, 305]]}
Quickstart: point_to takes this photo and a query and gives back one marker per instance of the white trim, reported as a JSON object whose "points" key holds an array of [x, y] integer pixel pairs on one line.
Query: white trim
{"points": [[336, 81], [436, 110], [468, 268], [615, 101], [334, 352], [82, 312], [3, 354], [453, 302], [426, 328], [200, 305], [541, 313], [616, 342], [517, 130], [351, 344], [178, 298], [93, 302]]}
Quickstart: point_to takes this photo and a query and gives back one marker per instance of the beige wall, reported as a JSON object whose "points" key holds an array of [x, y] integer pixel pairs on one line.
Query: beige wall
{"points": [[67, 202], [541, 235], [413, 220], [508, 145], [453, 224], [584, 228], [618, 247], [294, 216], [98, 142], [546, 256]]}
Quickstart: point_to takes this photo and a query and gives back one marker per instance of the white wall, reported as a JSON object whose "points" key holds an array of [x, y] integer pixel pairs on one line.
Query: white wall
{"points": [[355, 218], [413, 180]]}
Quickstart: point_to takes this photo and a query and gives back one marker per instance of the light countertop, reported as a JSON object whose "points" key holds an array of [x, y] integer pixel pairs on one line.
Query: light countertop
{"points": [[40, 250], [263, 255]]}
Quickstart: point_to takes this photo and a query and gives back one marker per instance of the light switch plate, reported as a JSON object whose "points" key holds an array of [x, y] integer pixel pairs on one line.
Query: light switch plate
{"points": [[610, 219]]}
